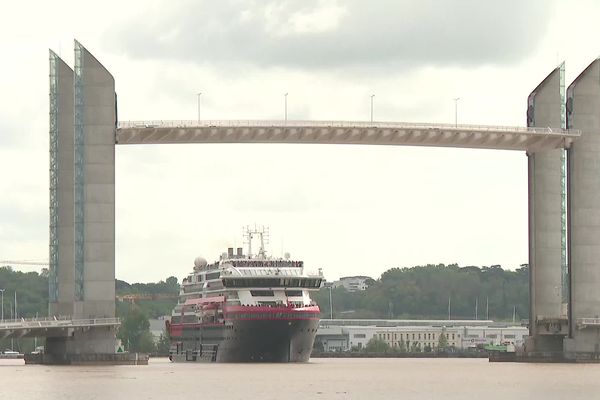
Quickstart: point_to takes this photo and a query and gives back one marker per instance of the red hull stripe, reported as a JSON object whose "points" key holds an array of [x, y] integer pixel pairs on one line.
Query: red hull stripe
{"points": [[273, 319]]}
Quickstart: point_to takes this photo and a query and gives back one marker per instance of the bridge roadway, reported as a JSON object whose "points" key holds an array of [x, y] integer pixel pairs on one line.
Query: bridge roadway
{"points": [[344, 132], [51, 327]]}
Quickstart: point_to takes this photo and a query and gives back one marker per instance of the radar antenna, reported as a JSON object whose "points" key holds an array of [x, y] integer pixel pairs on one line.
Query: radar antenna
{"points": [[261, 233]]}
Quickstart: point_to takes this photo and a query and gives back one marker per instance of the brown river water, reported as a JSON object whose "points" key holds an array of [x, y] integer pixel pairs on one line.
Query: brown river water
{"points": [[319, 379]]}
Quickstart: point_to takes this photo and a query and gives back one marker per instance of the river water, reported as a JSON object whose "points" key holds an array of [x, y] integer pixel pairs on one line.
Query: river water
{"points": [[319, 379]]}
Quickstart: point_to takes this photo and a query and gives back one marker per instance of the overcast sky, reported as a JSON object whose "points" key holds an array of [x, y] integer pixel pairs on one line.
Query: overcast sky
{"points": [[347, 209]]}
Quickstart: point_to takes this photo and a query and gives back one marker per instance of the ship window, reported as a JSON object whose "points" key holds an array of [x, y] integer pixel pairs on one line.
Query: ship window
{"points": [[212, 275], [293, 293], [262, 293], [270, 282]]}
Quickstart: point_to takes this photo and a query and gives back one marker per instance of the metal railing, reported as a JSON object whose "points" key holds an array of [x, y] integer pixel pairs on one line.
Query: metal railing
{"points": [[56, 322], [335, 124], [585, 322]]}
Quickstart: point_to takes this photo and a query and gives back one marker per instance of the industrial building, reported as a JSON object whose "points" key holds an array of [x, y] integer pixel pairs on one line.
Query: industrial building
{"points": [[344, 335]]}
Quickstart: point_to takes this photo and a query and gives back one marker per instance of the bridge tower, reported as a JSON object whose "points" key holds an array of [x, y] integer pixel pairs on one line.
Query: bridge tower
{"points": [[547, 220], [82, 200], [61, 267], [583, 113]]}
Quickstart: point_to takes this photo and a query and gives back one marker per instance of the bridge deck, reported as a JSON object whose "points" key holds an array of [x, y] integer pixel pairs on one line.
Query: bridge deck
{"points": [[55, 326], [344, 132]]}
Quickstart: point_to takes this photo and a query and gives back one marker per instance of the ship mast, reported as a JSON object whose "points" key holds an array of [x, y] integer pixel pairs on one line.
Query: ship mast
{"points": [[263, 235]]}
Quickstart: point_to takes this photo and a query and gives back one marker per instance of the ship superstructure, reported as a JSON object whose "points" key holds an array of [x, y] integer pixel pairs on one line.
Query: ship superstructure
{"points": [[246, 307]]}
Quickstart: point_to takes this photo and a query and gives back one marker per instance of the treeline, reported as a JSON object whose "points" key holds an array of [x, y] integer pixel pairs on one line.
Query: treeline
{"points": [[424, 292], [31, 290], [32, 294], [417, 292], [168, 286]]}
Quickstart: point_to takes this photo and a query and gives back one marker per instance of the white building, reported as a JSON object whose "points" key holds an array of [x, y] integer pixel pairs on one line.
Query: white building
{"points": [[335, 335], [352, 283], [158, 327]]}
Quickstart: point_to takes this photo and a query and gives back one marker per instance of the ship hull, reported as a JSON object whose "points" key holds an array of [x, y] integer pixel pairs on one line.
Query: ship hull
{"points": [[238, 341]]}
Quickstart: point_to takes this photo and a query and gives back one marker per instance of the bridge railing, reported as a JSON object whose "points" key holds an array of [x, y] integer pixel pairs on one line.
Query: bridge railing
{"points": [[335, 124], [41, 319], [588, 322], [58, 322]]}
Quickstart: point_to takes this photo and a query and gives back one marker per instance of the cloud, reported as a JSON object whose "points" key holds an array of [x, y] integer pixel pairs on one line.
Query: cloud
{"points": [[324, 34]]}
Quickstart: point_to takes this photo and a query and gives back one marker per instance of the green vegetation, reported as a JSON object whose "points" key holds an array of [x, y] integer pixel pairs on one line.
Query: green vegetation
{"points": [[31, 289], [376, 345], [423, 293], [418, 292], [156, 299], [442, 342], [134, 331]]}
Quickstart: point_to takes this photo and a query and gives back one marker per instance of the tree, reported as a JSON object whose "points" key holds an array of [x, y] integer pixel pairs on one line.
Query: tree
{"points": [[376, 345], [135, 331], [172, 282], [318, 346], [442, 342], [415, 347], [401, 346], [164, 344]]}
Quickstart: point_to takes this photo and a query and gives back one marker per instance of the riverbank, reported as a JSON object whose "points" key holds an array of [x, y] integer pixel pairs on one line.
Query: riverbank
{"points": [[360, 354]]}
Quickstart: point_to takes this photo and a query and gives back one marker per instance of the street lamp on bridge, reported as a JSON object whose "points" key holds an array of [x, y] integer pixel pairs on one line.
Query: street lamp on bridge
{"points": [[372, 107], [199, 94], [456, 99], [285, 106], [2, 292]]}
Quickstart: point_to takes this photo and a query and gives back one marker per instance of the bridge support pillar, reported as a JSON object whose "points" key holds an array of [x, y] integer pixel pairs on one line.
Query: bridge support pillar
{"points": [[583, 113], [547, 220], [81, 345]]}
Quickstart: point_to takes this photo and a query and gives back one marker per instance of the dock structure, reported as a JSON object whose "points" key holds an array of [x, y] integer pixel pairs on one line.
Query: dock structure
{"points": [[561, 141]]}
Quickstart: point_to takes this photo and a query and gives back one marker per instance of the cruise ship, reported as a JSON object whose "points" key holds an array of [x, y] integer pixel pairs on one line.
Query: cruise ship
{"points": [[245, 308]]}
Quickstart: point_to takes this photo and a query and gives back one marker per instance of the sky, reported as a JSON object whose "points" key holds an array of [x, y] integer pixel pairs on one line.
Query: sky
{"points": [[348, 209]]}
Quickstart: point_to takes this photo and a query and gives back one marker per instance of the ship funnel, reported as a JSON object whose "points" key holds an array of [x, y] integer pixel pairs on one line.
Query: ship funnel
{"points": [[230, 252], [239, 252]]}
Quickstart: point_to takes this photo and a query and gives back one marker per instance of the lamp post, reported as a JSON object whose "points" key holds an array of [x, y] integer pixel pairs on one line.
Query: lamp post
{"points": [[456, 99], [330, 303], [2, 293], [372, 107], [285, 106], [199, 94]]}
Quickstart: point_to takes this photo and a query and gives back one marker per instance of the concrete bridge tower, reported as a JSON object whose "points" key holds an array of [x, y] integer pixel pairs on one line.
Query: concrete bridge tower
{"points": [[583, 113], [547, 220], [82, 201]]}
